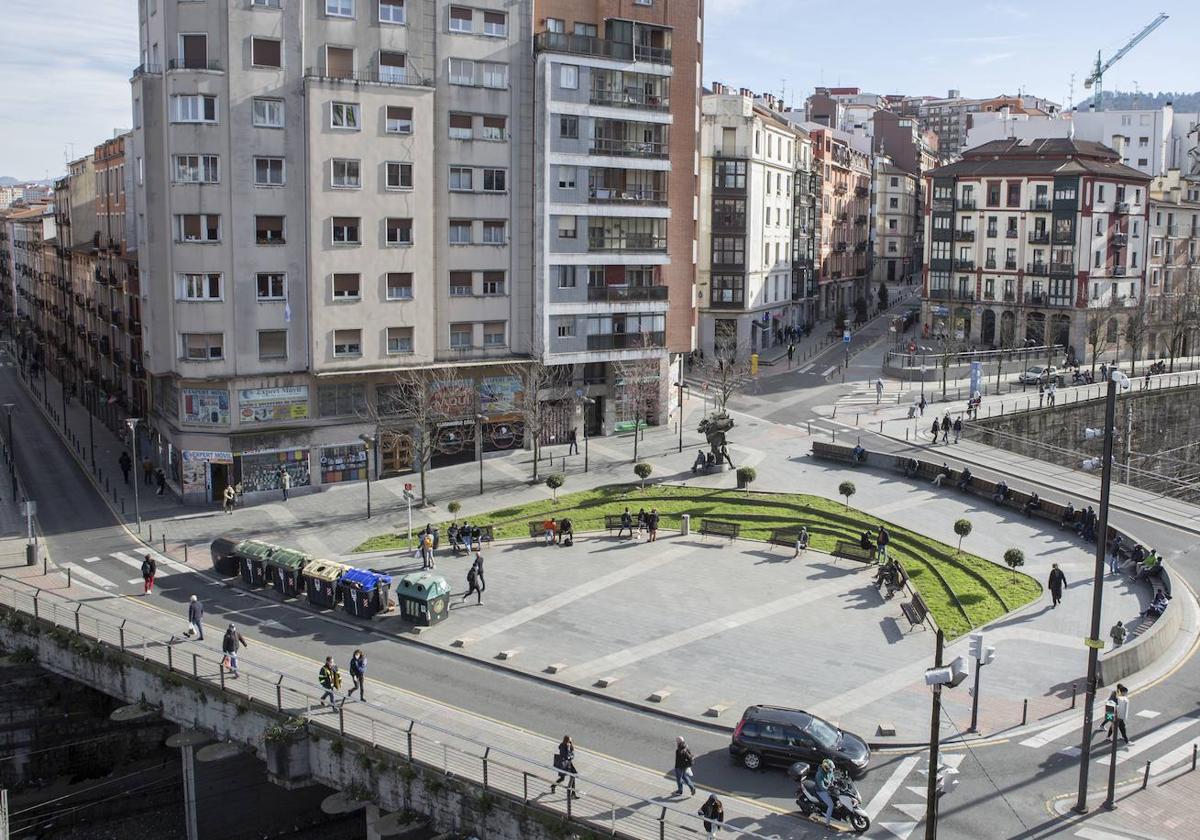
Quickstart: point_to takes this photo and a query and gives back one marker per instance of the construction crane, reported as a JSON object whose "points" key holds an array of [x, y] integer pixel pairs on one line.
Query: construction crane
{"points": [[1097, 76]]}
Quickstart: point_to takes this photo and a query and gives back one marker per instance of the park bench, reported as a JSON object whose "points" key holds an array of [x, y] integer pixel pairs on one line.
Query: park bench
{"points": [[854, 551], [537, 529], [613, 522], [915, 611], [785, 537], [719, 528], [833, 452], [485, 534]]}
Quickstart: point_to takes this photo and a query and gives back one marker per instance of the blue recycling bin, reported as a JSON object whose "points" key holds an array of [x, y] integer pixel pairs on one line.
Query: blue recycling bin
{"points": [[365, 593]]}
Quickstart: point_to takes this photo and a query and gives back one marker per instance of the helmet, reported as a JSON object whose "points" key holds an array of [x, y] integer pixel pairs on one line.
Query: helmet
{"points": [[827, 765]]}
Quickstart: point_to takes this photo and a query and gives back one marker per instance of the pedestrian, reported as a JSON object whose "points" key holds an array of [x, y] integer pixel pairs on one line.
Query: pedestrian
{"points": [[791, 354], [1103, 371], [652, 524], [149, 569], [285, 482], [147, 470], [330, 680], [881, 543], [358, 674], [564, 763], [946, 428], [229, 646], [1051, 394], [683, 767], [626, 524], [641, 523], [921, 405], [229, 497], [801, 541], [476, 539], [1114, 559], [573, 449], [957, 428], [478, 565], [126, 465], [195, 618], [1041, 393], [1122, 713], [937, 428], [160, 479], [473, 586], [426, 549], [1056, 583], [1118, 633], [714, 814], [878, 390], [1146, 383]]}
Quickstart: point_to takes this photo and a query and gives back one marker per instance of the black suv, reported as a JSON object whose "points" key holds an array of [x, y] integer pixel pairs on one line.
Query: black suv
{"points": [[774, 735]]}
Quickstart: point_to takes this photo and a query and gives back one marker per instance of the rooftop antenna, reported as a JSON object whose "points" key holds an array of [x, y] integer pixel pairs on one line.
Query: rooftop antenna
{"points": [[1071, 93]]}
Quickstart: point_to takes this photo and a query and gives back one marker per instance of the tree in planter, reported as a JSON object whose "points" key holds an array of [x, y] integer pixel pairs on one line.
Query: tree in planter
{"points": [[847, 489], [746, 476], [1014, 558], [1136, 327], [642, 471], [554, 481], [540, 384], [839, 320], [860, 310], [1094, 333], [454, 508], [883, 295], [962, 527], [638, 386], [725, 373]]}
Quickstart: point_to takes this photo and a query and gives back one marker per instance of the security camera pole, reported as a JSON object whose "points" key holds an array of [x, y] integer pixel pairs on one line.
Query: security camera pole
{"points": [[931, 797]]}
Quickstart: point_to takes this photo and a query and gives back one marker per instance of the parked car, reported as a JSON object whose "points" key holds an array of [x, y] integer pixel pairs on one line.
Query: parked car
{"points": [[1040, 373], [772, 735]]}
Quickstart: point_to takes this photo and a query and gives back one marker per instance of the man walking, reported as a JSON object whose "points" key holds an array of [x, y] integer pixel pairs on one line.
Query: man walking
{"points": [[195, 618], [229, 497], [358, 674], [330, 680], [791, 354], [478, 566], [881, 544], [126, 465], [147, 471], [160, 479], [1114, 559], [1041, 393], [229, 646], [652, 524], [573, 449], [946, 428], [149, 570], [921, 405], [683, 767], [1056, 583], [878, 390], [473, 586], [285, 482], [957, 428]]}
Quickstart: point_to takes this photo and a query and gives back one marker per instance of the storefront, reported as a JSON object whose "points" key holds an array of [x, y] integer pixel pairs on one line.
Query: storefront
{"points": [[345, 462], [260, 472], [206, 473]]}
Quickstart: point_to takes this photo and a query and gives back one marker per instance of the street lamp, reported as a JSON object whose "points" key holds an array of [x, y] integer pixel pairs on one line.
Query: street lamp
{"points": [[479, 421], [132, 423], [369, 445], [12, 452], [586, 401], [91, 422]]}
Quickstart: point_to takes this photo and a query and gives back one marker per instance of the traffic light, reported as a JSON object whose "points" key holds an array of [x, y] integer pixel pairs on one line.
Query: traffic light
{"points": [[949, 675], [976, 646], [989, 654]]}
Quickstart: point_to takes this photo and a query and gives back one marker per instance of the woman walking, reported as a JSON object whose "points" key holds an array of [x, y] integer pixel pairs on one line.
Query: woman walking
{"points": [[564, 763]]}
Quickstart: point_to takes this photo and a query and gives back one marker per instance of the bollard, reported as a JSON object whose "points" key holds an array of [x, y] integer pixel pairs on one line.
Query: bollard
{"points": [[880, 427], [185, 552], [1146, 776], [1194, 748], [906, 434], [1024, 711], [856, 416], [122, 507], [1073, 695], [835, 411], [164, 543], [68, 577], [834, 439], [151, 524]]}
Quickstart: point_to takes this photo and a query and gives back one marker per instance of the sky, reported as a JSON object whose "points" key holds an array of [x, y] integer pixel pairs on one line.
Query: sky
{"points": [[64, 74]]}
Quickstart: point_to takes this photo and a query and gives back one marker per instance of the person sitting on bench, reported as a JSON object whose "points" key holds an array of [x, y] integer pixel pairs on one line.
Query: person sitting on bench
{"points": [[1158, 606], [964, 480], [452, 534], [699, 462], [1001, 493], [566, 534], [859, 453], [911, 467], [549, 527], [942, 475], [888, 573], [801, 540], [1031, 504], [1150, 567], [867, 542], [1068, 517], [709, 462]]}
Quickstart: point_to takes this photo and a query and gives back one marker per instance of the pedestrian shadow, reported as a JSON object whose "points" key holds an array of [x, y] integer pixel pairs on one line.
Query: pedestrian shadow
{"points": [[892, 633], [770, 557]]}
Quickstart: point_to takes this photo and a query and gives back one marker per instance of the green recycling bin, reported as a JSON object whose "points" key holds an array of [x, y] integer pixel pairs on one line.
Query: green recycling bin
{"points": [[252, 558], [424, 598], [283, 570], [224, 561]]}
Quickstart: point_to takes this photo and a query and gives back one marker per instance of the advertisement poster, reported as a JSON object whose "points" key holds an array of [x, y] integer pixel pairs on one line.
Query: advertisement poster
{"points": [[452, 398], [269, 405], [500, 395], [206, 406]]}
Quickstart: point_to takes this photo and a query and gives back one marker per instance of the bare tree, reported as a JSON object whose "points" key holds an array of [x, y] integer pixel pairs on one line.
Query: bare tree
{"points": [[407, 410], [1180, 315], [1136, 325], [541, 383], [951, 347], [724, 374], [1096, 321], [639, 390]]}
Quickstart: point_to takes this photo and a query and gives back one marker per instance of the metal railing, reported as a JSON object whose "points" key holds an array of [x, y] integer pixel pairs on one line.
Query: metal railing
{"points": [[623, 294], [631, 148], [184, 64], [630, 99], [387, 77], [626, 341], [600, 47], [627, 242]]}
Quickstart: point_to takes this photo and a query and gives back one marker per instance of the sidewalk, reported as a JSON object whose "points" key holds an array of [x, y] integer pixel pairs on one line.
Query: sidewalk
{"points": [[1163, 811]]}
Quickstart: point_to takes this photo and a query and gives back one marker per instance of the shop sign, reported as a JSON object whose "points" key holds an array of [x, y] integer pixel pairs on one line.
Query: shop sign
{"points": [[268, 405], [205, 406]]}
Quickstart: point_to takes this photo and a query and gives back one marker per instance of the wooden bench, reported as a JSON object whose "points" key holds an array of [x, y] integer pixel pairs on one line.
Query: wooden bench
{"points": [[719, 528], [485, 534], [537, 529], [833, 452], [854, 551], [785, 537], [613, 522], [915, 611]]}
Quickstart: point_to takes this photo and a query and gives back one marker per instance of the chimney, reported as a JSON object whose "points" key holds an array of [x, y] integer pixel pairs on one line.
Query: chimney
{"points": [[717, 87], [952, 93], [746, 92]]}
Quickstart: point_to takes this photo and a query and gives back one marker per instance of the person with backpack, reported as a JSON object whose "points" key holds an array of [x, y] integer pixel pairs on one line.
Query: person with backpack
{"points": [[564, 763], [713, 812], [473, 586], [149, 570], [427, 549], [330, 679], [229, 646], [683, 767], [358, 674]]}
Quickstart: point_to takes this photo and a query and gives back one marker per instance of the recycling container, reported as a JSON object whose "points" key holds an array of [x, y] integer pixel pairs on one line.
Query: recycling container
{"points": [[283, 570], [424, 598], [322, 582], [252, 558], [224, 561], [365, 593]]}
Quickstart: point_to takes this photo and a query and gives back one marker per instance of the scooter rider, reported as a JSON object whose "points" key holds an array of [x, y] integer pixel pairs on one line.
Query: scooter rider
{"points": [[822, 781]]}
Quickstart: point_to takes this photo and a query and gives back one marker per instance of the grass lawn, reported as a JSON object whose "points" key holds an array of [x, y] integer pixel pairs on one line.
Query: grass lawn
{"points": [[961, 590]]}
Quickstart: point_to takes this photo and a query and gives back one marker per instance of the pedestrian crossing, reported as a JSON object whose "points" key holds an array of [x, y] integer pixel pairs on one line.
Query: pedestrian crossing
{"points": [[911, 804], [87, 569]]}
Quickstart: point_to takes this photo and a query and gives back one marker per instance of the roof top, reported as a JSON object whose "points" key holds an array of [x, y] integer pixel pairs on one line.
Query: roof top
{"points": [[1044, 156]]}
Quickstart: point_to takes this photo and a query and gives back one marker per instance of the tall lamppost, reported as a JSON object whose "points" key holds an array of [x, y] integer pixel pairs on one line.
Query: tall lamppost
{"points": [[369, 444], [479, 420], [91, 422], [132, 423], [586, 401], [12, 451]]}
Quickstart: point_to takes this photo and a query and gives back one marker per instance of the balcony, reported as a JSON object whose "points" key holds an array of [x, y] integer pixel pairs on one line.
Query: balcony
{"points": [[627, 242], [839, 247], [964, 235], [989, 265], [1120, 240], [950, 294], [1118, 271], [839, 189], [627, 294], [626, 341], [1039, 237], [1121, 207], [1011, 233], [1062, 268], [735, 300], [1010, 265], [860, 219], [862, 192], [389, 76], [964, 265], [630, 98], [1040, 204], [181, 64], [1037, 269], [628, 148], [637, 195], [1063, 238], [991, 233], [599, 47], [966, 204]]}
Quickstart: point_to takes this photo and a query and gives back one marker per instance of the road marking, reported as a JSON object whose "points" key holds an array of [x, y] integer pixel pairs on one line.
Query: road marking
{"points": [[90, 559], [1176, 756], [893, 783], [91, 577], [1097, 834], [899, 829], [1052, 734], [1144, 743], [807, 367], [829, 370], [1146, 713]]}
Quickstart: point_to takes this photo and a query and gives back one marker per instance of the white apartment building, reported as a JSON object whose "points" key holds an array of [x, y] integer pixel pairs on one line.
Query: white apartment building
{"points": [[895, 201]]}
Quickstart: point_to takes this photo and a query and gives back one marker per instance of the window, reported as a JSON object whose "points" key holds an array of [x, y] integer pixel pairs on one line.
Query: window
{"points": [[268, 113], [493, 282], [893, 224], [347, 343], [460, 232], [266, 4], [494, 128], [1143, 162], [399, 285], [587, 30], [196, 169], [895, 182], [460, 179], [1014, 194], [272, 344], [268, 230], [495, 24], [341, 400], [399, 176], [198, 227], [730, 174], [339, 8], [399, 340], [462, 71], [193, 108], [495, 180], [344, 115], [566, 330], [495, 75], [993, 193], [399, 232], [460, 19], [268, 171], [266, 52], [398, 120], [392, 67], [460, 127], [568, 76], [346, 174], [728, 289], [347, 287], [391, 11], [556, 25], [345, 230], [460, 336], [566, 177], [203, 347], [494, 334], [728, 250], [339, 62], [494, 232], [566, 227], [565, 276], [568, 128], [270, 285], [462, 284], [1099, 192], [200, 286]]}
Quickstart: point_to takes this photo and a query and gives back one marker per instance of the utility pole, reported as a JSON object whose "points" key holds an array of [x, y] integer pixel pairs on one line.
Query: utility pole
{"points": [[935, 720]]}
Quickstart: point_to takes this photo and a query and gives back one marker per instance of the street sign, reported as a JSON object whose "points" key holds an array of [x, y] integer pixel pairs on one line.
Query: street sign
{"points": [[1098, 644], [407, 486], [846, 336]]}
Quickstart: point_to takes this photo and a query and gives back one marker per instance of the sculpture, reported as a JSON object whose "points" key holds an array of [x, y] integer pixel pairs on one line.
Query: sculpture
{"points": [[714, 427]]}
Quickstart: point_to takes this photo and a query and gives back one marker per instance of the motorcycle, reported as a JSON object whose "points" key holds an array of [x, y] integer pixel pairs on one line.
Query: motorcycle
{"points": [[847, 803]]}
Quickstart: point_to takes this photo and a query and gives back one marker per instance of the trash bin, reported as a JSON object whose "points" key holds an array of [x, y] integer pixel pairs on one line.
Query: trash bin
{"points": [[322, 581], [283, 570], [365, 593], [224, 561], [424, 598], [252, 557], [685, 524]]}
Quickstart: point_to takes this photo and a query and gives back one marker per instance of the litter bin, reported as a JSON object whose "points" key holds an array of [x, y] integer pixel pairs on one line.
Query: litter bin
{"points": [[252, 557], [322, 580], [365, 593], [424, 598], [224, 561], [685, 524], [283, 570]]}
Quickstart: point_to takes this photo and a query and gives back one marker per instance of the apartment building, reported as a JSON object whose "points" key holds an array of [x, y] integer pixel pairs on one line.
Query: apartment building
{"points": [[1173, 265], [842, 163], [755, 226], [615, 109], [1025, 240], [896, 200], [29, 227]]}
